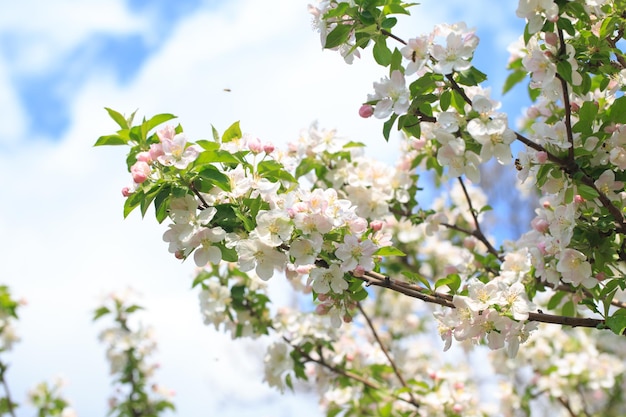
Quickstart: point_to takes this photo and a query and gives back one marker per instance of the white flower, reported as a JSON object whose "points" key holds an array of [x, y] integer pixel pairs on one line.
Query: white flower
{"points": [[207, 253], [177, 153], [273, 227], [575, 269], [254, 254], [354, 253], [391, 94], [416, 51], [277, 362], [457, 54], [535, 10], [326, 278]]}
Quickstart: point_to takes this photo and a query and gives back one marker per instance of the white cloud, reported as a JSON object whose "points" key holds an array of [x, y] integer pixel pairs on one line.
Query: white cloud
{"points": [[41, 33]]}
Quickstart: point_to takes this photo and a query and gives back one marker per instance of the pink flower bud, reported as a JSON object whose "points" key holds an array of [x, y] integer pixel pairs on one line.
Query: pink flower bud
{"points": [[366, 111], [359, 271], [255, 145], [269, 147], [533, 112], [578, 199], [457, 408], [140, 171], [179, 254], [552, 39], [156, 150], [167, 133], [459, 385], [600, 276], [542, 247], [347, 318], [540, 225], [469, 243], [542, 157], [322, 297], [322, 309], [575, 107], [357, 225], [376, 225], [144, 157], [126, 191], [450, 269], [418, 144]]}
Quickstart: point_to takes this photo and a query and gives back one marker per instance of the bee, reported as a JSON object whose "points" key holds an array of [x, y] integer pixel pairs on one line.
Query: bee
{"points": [[518, 165], [228, 90]]}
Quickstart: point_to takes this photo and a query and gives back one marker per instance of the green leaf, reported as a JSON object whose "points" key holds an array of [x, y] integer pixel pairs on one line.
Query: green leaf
{"points": [[110, 140], [564, 68], [338, 36], [132, 201], [555, 300], [216, 177], [389, 251], [396, 9], [162, 202], [617, 322], [388, 23], [569, 309], [618, 110], [102, 311], [396, 60], [587, 192], [388, 125], [208, 145], [157, 120], [471, 76], [445, 99], [133, 308], [453, 281], [233, 132], [586, 117], [210, 157], [566, 25], [413, 277], [381, 52], [307, 165], [119, 119], [512, 80]]}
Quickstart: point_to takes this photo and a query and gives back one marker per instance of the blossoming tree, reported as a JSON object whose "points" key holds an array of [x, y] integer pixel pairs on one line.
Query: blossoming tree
{"points": [[380, 269]]}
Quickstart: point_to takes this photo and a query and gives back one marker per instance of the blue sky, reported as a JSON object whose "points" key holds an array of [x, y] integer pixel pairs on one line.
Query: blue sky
{"points": [[65, 242]]}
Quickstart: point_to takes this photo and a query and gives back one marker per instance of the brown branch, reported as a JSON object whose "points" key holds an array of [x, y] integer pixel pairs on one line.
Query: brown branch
{"points": [[613, 44], [387, 355], [3, 381], [566, 103], [429, 296], [392, 36], [478, 232]]}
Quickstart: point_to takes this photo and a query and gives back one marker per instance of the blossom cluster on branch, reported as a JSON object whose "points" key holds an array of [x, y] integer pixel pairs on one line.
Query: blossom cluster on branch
{"points": [[337, 224]]}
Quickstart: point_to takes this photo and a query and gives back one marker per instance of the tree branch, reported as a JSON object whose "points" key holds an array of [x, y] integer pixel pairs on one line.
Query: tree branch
{"points": [[387, 355], [429, 296], [3, 381]]}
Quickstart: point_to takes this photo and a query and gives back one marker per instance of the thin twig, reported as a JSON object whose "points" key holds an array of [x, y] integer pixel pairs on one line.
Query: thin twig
{"points": [[4, 383], [478, 232], [566, 104], [387, 355], [322, 362]]}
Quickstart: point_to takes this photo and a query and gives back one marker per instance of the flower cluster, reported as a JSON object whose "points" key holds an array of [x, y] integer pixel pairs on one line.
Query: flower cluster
{"points": [[127, 352]]}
